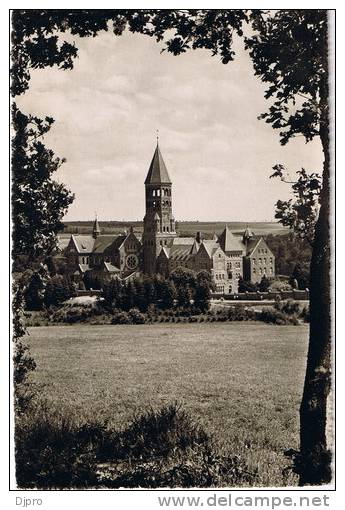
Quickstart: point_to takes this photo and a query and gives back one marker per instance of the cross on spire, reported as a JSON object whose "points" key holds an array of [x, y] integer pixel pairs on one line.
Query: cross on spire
{"points": [[157, 135]]}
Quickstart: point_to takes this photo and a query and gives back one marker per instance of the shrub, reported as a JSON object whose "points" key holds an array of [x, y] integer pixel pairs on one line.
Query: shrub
{"points": [[136, 316], [160, 448], [305, 314], [121, 318], [51, 451], [278, 286], [290, 307], [278, 317]]}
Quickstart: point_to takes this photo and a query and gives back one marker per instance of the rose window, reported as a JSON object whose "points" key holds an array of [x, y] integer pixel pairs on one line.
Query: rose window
{"points": [[132, 261]]}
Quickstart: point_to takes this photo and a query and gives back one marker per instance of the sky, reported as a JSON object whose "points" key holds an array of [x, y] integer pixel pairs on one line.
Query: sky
{"points": [[122, 89]]}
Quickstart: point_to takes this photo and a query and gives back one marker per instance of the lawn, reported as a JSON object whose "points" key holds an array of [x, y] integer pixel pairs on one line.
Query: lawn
{"points": [[242, 381]]}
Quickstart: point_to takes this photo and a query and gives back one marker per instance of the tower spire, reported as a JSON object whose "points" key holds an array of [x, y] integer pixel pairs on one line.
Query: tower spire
{"points": [[96, 230]]}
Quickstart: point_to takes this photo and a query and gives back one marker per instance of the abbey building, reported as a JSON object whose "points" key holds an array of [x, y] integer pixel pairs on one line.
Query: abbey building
{"points": [[161, 250]]}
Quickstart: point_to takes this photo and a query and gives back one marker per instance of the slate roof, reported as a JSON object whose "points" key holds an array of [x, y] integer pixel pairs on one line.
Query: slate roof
{"points": [[84, 243], [62, 242], [228, 242], [165, 250], [182, 254], [158, 173], [211, 246], [87, 244], [183, 241], [105, 241], [251, 245]]}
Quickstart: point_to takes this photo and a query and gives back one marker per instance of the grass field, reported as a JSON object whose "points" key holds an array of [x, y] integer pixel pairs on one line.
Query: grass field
{"points": [[188, 228], [243, 382]]}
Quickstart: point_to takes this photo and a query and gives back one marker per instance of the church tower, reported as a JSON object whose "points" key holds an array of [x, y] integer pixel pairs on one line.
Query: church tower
{"points": [[159, 222]]}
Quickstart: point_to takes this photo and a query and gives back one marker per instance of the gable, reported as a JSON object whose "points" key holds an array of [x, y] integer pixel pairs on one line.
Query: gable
{"points": [[131, 242], [261, 249], [202, 253], [219, 254]]}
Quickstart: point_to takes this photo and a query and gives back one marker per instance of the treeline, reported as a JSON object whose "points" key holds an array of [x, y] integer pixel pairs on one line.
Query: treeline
{"points": [[289, 251], [184, 289], [41, 290]]}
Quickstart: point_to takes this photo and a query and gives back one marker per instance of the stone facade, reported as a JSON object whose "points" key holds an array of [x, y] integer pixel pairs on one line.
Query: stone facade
{"points": [[226, 257], [159, 222]]}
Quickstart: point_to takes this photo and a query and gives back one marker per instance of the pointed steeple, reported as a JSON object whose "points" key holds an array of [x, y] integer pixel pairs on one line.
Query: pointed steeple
{"points": [[247, 234], [158, 173], [228, 242], [96, 230]]}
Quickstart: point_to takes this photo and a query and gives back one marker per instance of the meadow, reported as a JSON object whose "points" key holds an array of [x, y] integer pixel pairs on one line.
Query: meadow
{"points": [[242, 381], [188, 228]]}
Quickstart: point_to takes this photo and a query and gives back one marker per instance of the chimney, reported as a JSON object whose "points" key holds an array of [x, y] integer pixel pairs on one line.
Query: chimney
{"points": [[198, 237]]}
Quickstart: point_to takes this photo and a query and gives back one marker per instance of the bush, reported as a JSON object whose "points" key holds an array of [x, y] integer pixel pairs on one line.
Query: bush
{"points": [[278, 286], [121, 318], [160, 448], [51, 451], [305, 314], [136, 316], [290, 307], [278, 317]]}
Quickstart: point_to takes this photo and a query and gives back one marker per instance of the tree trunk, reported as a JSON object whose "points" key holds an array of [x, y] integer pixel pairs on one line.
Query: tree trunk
{"points": [[314, 459]]}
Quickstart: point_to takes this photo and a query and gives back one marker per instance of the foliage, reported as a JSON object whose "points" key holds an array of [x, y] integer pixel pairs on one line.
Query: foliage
{"points": [[300, 276], [160, 448], [38, 202], [292, 60], [280, 286], [23, 362], [277, 317], [121, 318], [182, 286], [136, 317], [202, 296], [287, 249], [300, 214], [75, 313], [246, 286], [34, 291], [52, 451], [58, 289], [264, 284]]}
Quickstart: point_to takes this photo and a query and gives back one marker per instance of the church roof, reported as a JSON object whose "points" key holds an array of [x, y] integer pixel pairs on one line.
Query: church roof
{"points": [[86, 244], [228, 242], [186, 241], [211, 246], [158, 173], [83, 243], [182, 254], [62, 242], [104, 241]]}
